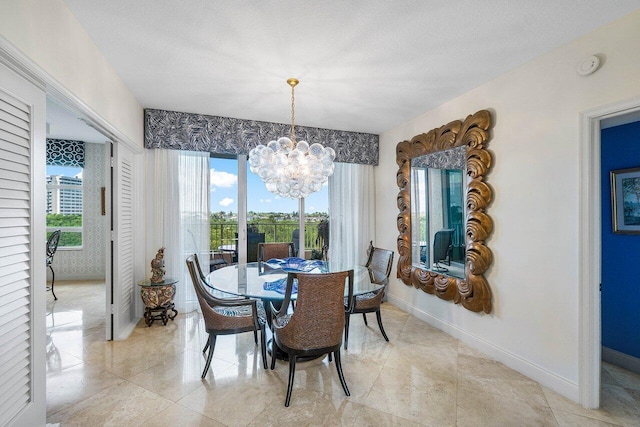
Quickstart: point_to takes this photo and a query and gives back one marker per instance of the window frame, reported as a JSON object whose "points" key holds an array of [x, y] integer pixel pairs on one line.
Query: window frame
{"points": [[75, 229]]}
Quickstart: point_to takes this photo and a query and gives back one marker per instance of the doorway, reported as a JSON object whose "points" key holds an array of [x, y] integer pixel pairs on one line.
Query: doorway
{"points": [[76, 169], [590, 244]]}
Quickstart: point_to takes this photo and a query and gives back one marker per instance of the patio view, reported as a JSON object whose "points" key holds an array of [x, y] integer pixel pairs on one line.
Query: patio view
{"points": [[275, 217], [276, 226]]}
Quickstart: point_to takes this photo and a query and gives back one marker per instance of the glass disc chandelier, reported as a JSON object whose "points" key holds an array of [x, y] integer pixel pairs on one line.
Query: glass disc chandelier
{"points": [[289, 168]]}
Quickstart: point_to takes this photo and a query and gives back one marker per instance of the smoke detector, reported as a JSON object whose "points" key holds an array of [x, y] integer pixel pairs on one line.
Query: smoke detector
{"points": [[588, 65]]}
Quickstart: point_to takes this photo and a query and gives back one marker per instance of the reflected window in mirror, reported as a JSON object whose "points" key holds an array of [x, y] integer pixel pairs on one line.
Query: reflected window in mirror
{"points": [[438, 210]]}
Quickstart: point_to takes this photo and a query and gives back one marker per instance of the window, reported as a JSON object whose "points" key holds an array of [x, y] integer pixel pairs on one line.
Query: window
{"points": [[64, 204], [269, 218]]}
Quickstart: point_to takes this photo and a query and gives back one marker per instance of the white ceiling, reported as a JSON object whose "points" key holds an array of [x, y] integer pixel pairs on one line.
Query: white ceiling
{"points": [[364, 65], [63, 124]]}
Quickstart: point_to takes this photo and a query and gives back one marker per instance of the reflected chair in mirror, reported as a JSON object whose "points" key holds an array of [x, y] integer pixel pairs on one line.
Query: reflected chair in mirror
{"points": [[227, 316], [379, 264], [315, 327], [52, 247], [442, 249]]}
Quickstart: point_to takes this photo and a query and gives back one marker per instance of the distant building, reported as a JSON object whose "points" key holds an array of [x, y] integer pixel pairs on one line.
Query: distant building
{"points": [[62, 198]]}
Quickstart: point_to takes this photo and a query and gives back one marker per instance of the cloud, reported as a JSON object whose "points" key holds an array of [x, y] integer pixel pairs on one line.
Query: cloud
{"points": [[265, 200], [226, 202], [222, 179]]}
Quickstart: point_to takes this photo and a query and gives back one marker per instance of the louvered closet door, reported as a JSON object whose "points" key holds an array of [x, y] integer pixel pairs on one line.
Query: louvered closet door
{"points": [[21, 293], [124, 289]]}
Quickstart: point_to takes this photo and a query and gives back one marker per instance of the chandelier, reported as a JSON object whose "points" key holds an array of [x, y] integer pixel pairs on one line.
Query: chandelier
{"points": [[289, 168]]}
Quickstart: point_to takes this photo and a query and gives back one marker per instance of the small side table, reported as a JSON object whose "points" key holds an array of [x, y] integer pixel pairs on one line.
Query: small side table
{"points": [[158, 300]]}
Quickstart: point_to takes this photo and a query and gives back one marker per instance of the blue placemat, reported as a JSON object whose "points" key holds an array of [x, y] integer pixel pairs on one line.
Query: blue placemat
{"points": [[280, 286], [295, 264]]}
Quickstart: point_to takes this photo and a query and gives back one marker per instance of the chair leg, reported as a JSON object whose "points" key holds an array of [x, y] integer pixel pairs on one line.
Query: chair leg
{"points": [[206, 346], [340, 374], [212, 344], [379, 317], [364, 316], [292, 374], [273, 353], [255, 336], [346, 332], [263, 346], [53, 281]]}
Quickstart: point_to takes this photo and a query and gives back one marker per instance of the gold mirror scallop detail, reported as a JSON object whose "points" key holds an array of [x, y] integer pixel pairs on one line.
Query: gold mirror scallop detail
{"points": [[473, 292]]}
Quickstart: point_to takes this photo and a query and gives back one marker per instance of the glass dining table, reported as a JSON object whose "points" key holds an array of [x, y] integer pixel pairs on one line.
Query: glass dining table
{"points": [[267, 281]]}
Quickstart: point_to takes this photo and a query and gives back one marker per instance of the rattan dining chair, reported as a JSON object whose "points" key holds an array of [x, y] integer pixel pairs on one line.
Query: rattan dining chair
{"points": [[224, 316], [217, 292], [52, 247], [280, 250], [315, 327], [267, 251], [379, 263]]}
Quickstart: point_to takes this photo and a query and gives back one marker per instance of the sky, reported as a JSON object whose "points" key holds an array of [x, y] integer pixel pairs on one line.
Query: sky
{"points": [[224, 192], [64, 170]]}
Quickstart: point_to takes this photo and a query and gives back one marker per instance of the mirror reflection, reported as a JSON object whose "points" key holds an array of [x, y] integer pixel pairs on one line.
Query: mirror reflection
{"points": [[438, 212]]}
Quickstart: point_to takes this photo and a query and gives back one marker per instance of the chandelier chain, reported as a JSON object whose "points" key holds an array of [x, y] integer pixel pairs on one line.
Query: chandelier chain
{"points": [[293, 115]]}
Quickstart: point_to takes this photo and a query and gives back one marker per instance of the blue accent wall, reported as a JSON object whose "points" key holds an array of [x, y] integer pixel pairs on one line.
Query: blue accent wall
{"points": [[620, 149]]}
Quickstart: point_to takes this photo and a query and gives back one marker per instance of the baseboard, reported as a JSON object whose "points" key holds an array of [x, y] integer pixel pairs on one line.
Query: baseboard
{"points": [[537, 373], [620, 359]]}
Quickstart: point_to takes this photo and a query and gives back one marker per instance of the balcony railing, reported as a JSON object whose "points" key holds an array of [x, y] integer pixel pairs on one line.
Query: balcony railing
{"points": [[225, 233]]}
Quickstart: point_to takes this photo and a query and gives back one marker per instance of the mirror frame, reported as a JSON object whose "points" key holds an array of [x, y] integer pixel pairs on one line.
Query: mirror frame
{"points": [[472, 292]]}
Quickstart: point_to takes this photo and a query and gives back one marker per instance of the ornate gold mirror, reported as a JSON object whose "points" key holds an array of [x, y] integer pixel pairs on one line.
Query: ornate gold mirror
{"points": [[435, 255]]}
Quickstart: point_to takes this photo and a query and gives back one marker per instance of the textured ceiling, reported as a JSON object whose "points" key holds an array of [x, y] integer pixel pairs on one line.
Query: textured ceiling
{"points": [[364, 65]]}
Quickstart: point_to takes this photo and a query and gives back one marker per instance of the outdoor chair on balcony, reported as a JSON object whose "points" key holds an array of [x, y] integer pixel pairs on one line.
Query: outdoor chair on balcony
{"points": [[52, 247], [315, 327], [379, 263], [227, 316], [253, 238], [295, 239]]}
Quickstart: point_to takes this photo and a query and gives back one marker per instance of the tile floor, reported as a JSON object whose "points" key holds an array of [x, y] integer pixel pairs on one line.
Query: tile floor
{"points": [[422, 377]]}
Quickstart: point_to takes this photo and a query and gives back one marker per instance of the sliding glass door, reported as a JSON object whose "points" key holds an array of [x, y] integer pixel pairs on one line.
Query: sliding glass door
{"points": [[242, 210]]}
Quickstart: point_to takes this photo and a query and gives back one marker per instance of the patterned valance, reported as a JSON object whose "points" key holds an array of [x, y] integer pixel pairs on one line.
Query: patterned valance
{"points": [[452, 158], [224, 135], [65, 152]]}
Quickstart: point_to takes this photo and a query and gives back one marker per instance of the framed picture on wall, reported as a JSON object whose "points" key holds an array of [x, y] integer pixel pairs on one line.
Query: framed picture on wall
{"points": [[625, 200]]}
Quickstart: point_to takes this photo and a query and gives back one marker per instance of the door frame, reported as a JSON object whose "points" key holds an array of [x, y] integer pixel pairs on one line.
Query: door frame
{"points": [[590, 247], [25, 67]]}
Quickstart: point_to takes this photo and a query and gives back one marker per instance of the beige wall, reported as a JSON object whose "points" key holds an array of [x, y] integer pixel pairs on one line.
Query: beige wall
{"points": [[535, 143], [49, 34]]}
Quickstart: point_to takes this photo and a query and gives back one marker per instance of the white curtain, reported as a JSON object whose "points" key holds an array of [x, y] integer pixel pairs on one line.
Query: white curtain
{"points": [[352, 216], [181, 216]]}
